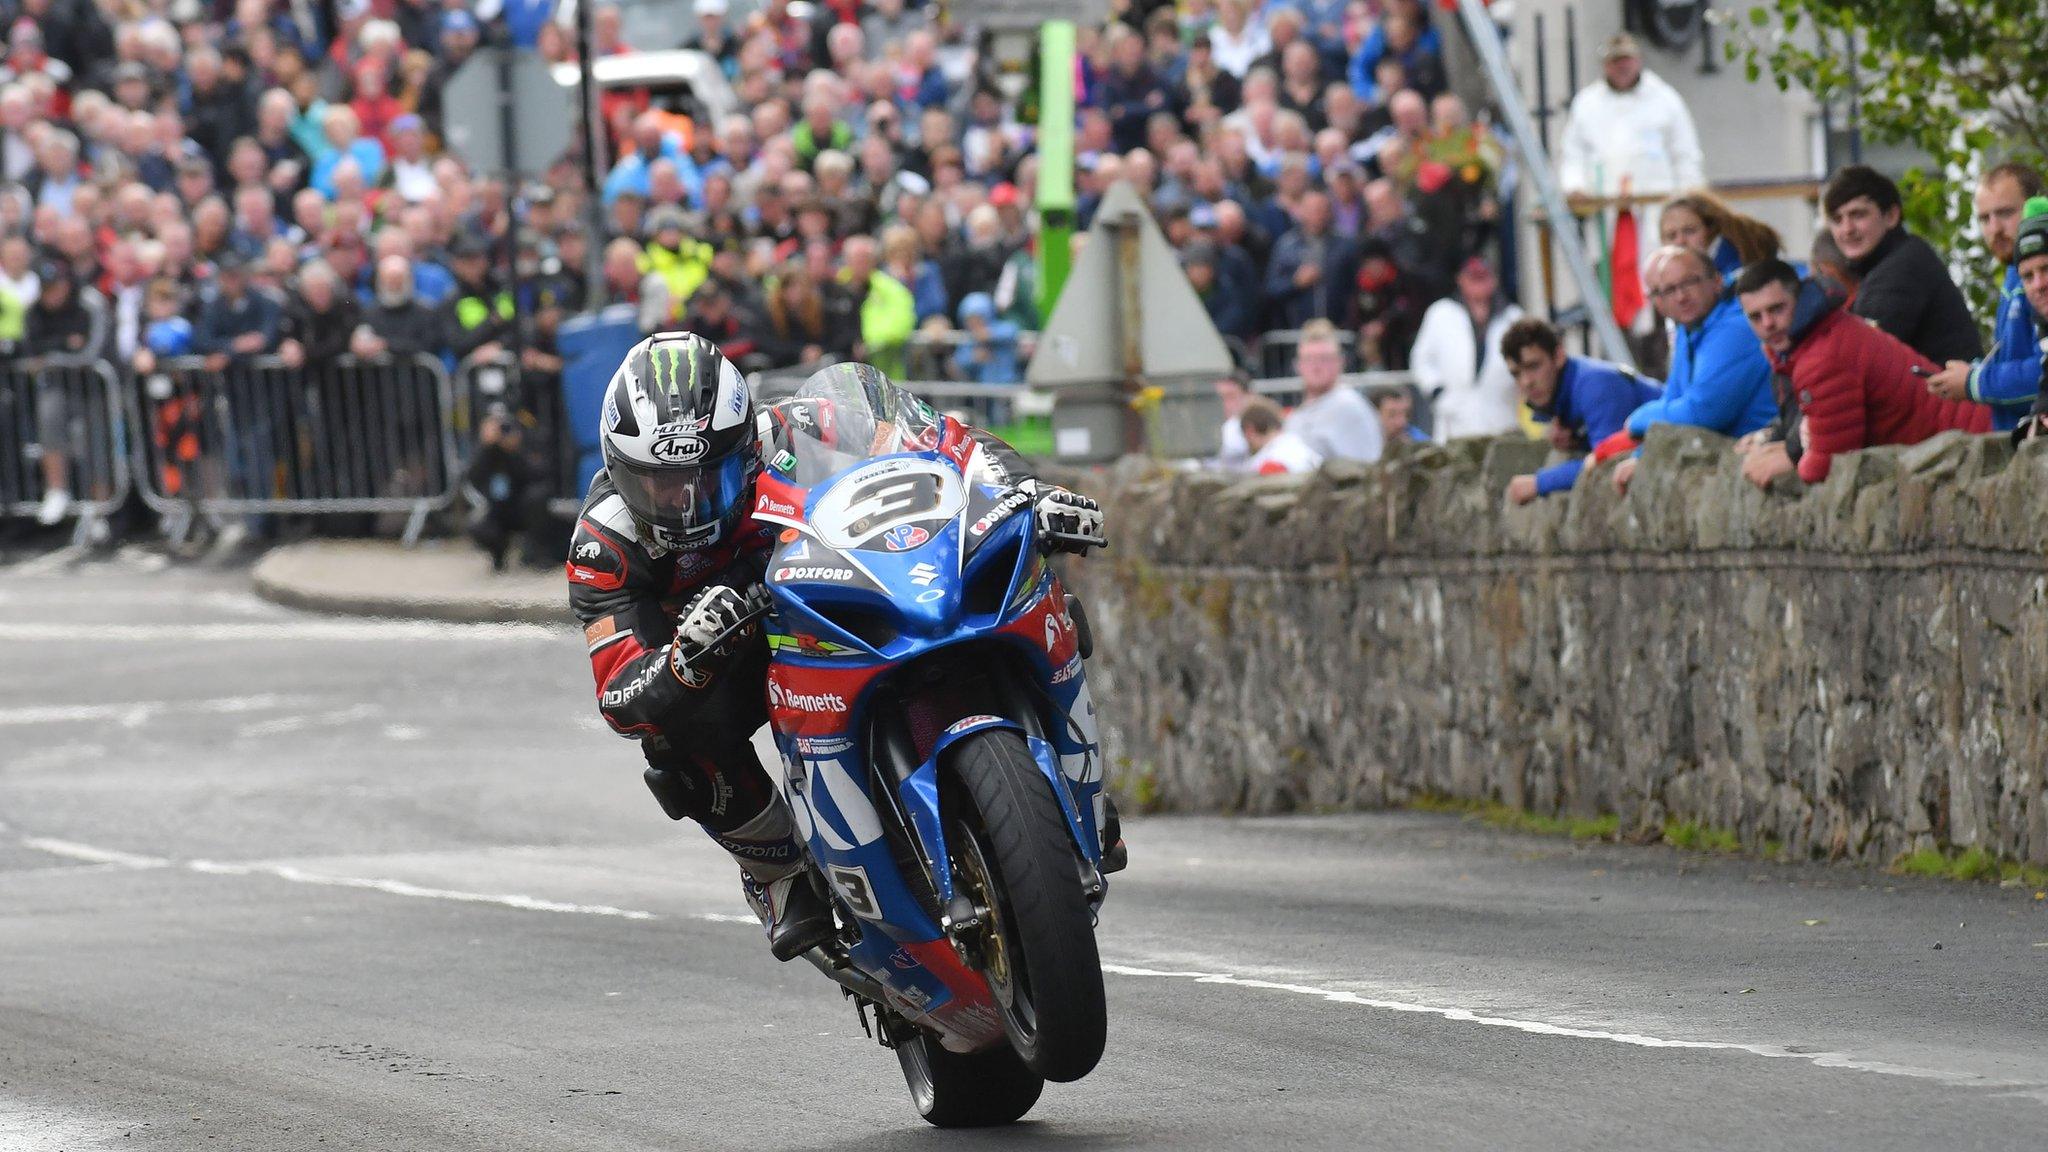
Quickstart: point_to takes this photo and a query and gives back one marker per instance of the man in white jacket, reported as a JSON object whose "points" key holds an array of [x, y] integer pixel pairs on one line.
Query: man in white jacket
{"points": [[1631, 130], [1629, 135], [1456, 359]]}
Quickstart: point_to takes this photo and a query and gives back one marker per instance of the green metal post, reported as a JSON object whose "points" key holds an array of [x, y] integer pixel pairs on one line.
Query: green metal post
{"points": [[1055, 160]]}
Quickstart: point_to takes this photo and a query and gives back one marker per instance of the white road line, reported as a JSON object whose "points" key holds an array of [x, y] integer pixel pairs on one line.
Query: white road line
{"points": [[345, 631], [1339, 996], [297, 875], [402, 888], [136, 713], [284, 725], [125, 715], [1540, 1028], [92, 855]]}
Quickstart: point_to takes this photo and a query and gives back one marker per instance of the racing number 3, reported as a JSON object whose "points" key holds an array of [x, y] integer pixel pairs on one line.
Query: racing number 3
{"points": [[852, 883], [891, 500]]}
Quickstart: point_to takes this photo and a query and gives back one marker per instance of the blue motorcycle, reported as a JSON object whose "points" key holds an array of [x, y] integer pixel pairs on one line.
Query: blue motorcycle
{"points": [[927, 694]]}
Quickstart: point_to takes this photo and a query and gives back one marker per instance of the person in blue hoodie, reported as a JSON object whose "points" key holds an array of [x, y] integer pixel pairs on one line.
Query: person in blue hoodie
{"points": [[1584, 401], [1720, 379], [2030, 256], [989, 354], [2009, 379]]}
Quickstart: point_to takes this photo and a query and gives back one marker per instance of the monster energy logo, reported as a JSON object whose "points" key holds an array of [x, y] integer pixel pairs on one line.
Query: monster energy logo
{"points": [[669, 357]]}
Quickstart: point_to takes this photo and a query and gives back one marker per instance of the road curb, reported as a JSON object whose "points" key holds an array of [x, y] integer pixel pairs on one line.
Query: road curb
{"points": [[281, 577]]}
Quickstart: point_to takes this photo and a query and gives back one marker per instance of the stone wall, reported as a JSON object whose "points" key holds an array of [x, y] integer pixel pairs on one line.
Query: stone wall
{"points": [[1852, 671]]}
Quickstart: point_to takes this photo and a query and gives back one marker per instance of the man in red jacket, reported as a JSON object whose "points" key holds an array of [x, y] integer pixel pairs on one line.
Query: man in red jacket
{"points": [[1857, 386]]}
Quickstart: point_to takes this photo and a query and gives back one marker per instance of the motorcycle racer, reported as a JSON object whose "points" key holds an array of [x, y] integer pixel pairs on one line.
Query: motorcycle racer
{"points": [[667, 562]]}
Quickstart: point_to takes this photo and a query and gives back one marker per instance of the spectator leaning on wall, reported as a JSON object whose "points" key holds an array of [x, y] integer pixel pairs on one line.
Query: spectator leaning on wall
{"points": [[1233, 392], [1333, 420], [2009, 379], [1584, 401], [1857, 385], [1720, 379], [1905, 288], [1275, 450], [1396, 410], [2030, 258]]}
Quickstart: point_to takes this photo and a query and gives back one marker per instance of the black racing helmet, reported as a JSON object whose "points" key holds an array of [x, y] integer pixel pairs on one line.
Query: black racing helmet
{"points": [[679, 441]]}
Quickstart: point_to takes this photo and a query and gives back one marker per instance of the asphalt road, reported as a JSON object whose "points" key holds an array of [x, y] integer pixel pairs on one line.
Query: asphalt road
{"points": [[275, 881]]}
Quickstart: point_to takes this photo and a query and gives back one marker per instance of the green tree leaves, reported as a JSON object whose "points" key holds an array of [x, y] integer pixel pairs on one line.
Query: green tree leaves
{"points": [[1959, 80]]}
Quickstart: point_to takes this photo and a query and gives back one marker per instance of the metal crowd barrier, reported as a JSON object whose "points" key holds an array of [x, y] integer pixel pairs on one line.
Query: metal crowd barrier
{"points": [[930, 355], [480, 383], [257, 437], [71, 407], [1277, 348], [1286, 390]]}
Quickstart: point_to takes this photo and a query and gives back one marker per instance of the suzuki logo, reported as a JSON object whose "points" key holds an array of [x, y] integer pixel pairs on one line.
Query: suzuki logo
{"points": [[923, 575]]}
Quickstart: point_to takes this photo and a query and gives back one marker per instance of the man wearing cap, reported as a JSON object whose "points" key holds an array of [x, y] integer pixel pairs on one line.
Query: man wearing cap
{"points": [[1457, 357], [2009, 379], [460, 34], [1630, 129], [1230, 305], [2030, 258], [714, 38], [670, 252], [412, 171], [1630, 134], [238, 322], [479, 318]]}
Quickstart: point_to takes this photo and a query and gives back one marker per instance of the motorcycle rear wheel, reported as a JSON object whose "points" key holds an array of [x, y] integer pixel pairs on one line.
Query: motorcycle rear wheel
{"points": [[1013, 854], [955, 1091]]}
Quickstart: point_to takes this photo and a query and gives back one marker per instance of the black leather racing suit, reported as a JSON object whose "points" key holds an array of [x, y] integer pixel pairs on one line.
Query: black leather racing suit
{"points": [[697, 739]]}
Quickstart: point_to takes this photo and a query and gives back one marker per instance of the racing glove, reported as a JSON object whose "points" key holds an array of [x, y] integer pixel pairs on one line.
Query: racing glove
{"points": [[707, 631], [1067, 521]]}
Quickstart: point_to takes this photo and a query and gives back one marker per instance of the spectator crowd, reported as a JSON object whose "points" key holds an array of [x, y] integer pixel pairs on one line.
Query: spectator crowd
{"points": [[237, 179], [233, 180], [1868, 341]]}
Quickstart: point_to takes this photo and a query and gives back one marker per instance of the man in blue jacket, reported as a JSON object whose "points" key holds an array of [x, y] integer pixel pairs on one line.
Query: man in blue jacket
{"points": [[2008, 380], [1720, 380], [1584, 401]]}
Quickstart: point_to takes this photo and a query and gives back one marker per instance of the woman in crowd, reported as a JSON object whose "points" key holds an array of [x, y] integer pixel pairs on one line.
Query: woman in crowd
{"points": [[1705, 223], [903, 257], [800, 325]]}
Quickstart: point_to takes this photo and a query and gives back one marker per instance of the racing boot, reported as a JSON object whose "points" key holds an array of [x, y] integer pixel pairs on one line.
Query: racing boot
{"points": [[777, 883], [796, 917], [1115, 856]]}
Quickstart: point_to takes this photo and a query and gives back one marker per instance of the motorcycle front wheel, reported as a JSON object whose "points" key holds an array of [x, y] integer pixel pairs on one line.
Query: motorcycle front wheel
{"points": [[1012, 855]]}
